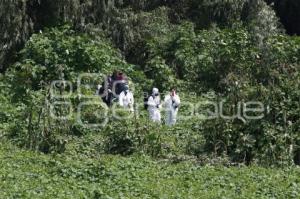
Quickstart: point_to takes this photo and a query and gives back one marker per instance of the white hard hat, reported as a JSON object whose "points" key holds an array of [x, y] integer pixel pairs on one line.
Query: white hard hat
{"points": [[155, 91]]}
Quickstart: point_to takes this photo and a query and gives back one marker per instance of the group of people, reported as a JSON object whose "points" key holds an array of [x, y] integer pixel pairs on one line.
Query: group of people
{"points": [[171, 104], [116, 89]]}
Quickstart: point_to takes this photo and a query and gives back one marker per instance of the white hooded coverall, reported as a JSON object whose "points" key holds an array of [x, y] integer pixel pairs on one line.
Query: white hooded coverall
{"points": [[153, 108], [126, 100], [171, 104]]}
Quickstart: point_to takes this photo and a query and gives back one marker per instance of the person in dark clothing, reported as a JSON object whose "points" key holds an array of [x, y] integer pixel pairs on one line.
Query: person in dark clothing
{"points": [[112, 87]]}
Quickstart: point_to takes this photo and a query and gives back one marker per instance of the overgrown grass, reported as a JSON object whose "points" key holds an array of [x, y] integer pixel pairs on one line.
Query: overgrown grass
{"points": [[25, 174]]}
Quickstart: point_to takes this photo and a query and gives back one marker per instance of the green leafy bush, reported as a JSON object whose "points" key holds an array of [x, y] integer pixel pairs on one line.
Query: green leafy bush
{"points": [[133, 136], [57, 54], [61, 54], [273, 81]]}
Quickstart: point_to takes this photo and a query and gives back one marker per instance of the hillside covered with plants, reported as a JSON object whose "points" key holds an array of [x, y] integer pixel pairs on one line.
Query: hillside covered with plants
{"points": [[235, 64]]}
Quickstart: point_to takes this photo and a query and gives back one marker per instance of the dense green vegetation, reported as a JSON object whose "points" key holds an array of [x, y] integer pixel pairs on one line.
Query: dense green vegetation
{"points": [[222, 52], [125, 20], [32, 175]]}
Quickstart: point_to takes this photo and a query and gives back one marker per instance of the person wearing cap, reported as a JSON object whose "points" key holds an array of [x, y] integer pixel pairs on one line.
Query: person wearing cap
{"points": [[154, 106], [171, 104], [126, 99]]}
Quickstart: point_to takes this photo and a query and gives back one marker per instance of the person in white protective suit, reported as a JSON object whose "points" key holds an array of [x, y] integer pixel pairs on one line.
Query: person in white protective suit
{"points": [[154, 106], [171, 104], [126, 99]]}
